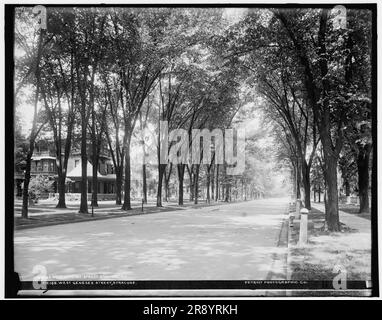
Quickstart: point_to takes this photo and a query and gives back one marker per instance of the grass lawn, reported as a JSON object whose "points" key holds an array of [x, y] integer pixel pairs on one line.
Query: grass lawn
{"points": [[349, 249]]}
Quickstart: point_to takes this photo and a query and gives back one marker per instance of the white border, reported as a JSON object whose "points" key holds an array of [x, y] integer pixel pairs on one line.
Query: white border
{"points": [[147, 2]]}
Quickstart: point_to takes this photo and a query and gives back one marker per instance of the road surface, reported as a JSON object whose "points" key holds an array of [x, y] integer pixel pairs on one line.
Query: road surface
{"points": [[235, 241]]}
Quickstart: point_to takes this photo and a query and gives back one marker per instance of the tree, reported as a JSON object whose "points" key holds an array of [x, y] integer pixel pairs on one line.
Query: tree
{"points": [[98, 129], [327, 65], [116, 147], [57, 85], [21, 145], [88, 44], [137, 72], [31, 63]]}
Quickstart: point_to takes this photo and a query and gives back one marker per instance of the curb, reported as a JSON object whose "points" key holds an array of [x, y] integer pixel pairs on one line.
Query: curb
{"points": [[88, 218], [85, 219], [291, 226], [280, 240]]}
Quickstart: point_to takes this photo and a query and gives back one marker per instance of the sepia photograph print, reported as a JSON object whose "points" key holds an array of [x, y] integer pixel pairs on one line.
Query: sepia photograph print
{"points": [[191, 150]]}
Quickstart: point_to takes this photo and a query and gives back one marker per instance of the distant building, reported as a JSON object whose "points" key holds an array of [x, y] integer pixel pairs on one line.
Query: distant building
{"points": [[44, 163], [105, 174]]}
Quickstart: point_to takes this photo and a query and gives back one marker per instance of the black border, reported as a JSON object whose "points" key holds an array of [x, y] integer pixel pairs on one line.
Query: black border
{"points": [[12, 283]]}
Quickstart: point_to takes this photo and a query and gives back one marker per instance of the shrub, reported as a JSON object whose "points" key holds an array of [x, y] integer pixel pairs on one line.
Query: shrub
{"points": [[38, 185]]}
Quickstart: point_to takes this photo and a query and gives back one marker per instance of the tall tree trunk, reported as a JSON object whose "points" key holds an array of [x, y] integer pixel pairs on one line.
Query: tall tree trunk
{"points": [[118, 186], [196, 184], [227, 192], [161, 171], [144, 173], [34, 131], [181, 168], [61, 190], [84, 162], [84, 158], [95, 181], [226, 184], [363, 177], [332, 196], [298, 181], [347, 187], [117, 157], [306, 184], [165, 190], [27, 177], [62, 171], [213, 182], [144, 184], [208, 183], [94, 201], [127, 188], [217, 196], [191, 178], [167, 181]]}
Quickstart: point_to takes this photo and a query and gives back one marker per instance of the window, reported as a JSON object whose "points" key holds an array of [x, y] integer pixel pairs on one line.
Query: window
{"points": [[46, 166], [76, 163]]}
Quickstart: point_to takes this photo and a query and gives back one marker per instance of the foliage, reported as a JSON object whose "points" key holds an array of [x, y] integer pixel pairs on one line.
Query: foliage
{"points": [[39, 185]]}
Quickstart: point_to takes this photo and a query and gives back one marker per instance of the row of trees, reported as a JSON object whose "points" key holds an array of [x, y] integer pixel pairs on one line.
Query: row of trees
{"points": [[104, 76], [108, 75], [313, 71]]}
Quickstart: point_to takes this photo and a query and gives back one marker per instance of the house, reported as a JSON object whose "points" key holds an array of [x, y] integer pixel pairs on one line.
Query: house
{"points": [[44, 162], [105, 174]]}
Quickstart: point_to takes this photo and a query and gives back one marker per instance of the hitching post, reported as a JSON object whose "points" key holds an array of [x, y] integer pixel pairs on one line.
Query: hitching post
{"points": [[304, 227]]}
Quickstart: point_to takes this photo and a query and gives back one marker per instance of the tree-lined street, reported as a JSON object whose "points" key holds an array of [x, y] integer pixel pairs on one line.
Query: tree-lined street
{"points": [[176, 143], [226, 242]]}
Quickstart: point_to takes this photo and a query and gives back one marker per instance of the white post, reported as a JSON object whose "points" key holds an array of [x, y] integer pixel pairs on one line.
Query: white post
{"points": [[303, 239]]}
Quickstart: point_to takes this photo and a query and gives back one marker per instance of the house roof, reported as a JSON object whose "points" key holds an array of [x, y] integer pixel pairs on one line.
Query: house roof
{"points": [[110, 176], [43, 157], [77, 173]]}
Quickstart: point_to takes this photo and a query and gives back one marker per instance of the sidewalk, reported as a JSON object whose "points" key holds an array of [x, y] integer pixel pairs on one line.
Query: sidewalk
{"points": [[46, 214], [327, 252], [350, 220]]}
